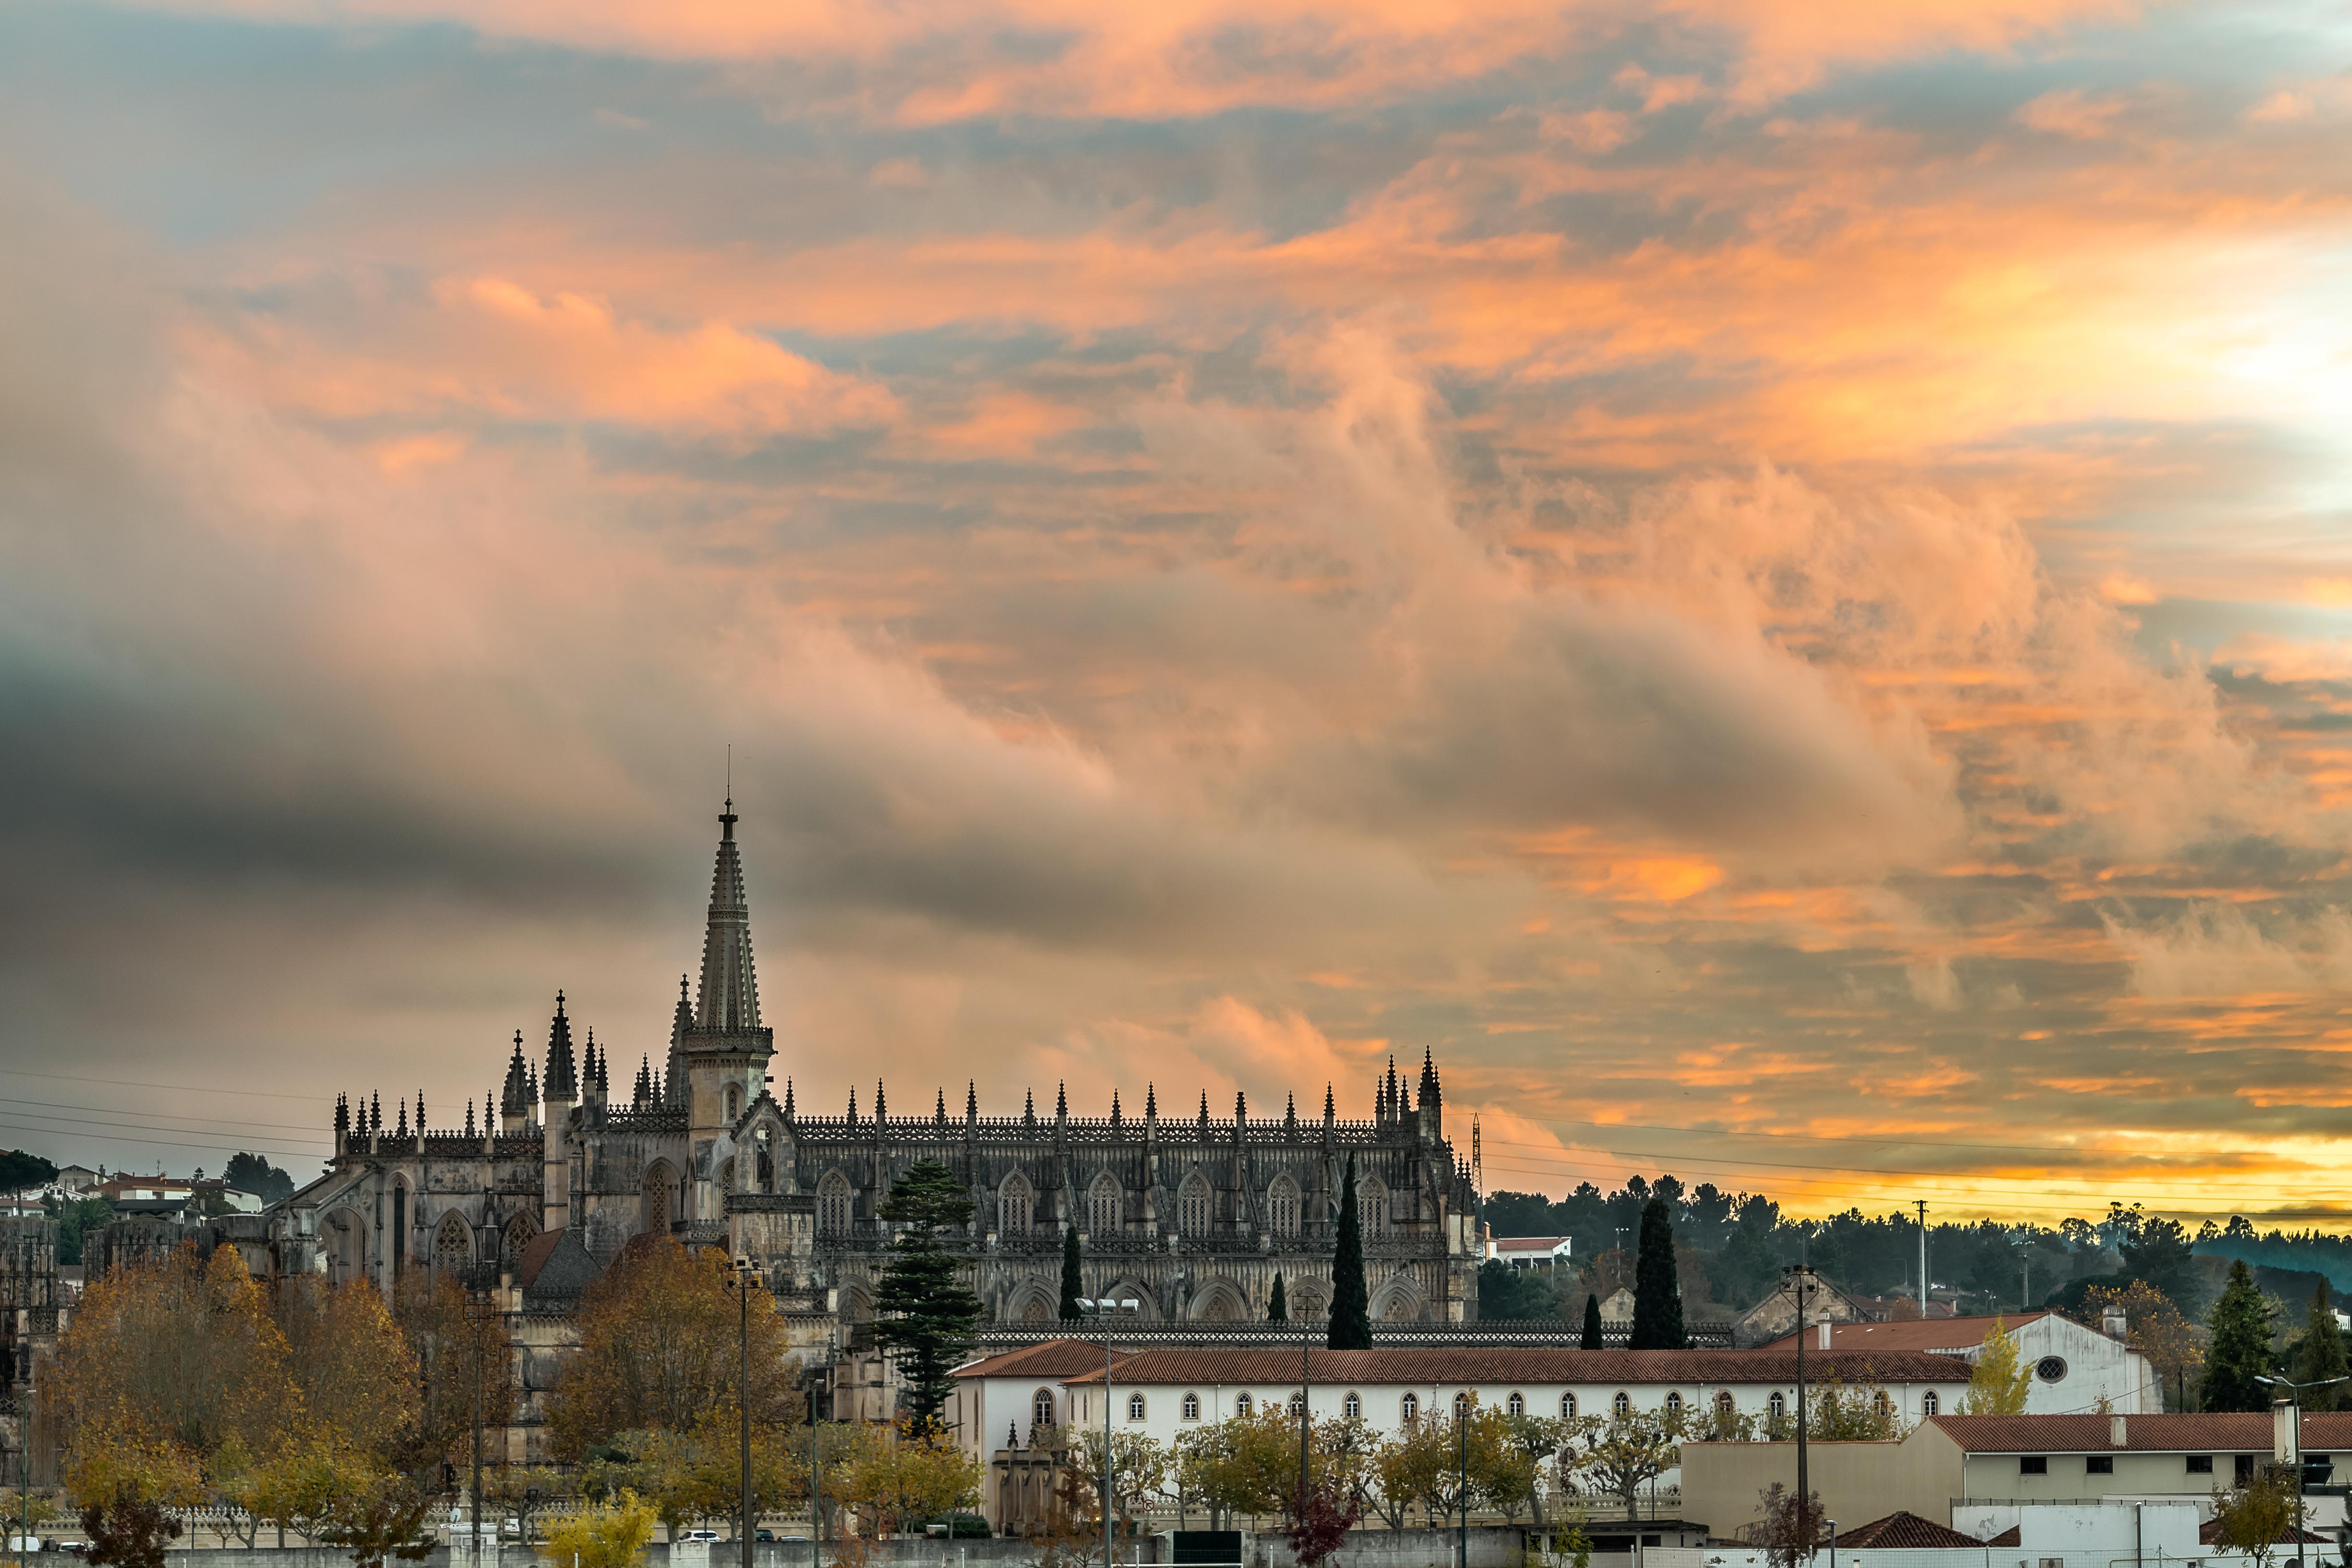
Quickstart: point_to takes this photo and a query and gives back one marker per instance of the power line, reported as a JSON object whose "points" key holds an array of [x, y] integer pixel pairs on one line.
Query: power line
{"points": [[164, 1142], [179, 1088], [150, 1127], [128, 1110]]}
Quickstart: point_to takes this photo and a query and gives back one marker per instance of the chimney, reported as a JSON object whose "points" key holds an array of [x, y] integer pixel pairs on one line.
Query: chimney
{"points": [[2115, 1433], [2116, 1324], [1825, 1333]]}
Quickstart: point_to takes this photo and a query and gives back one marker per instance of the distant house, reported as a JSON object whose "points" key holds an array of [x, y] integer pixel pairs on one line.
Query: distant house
{"points": [[1545, 1252], [144, 1189], [1775, 1317], [2074, 1368], [77, 1179]]}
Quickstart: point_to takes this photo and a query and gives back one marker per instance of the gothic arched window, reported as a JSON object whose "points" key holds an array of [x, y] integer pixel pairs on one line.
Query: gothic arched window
{"points": [[1243, 1405], [1102, 1206], [1041, 1408], [1623, 1405], [1410, 1408], [1135, 1407], [1012, 1208], [1673, 1404], [656, 1196], [833, 1205], [1353, 1405], [764, 1142], [1567, 1406], [1194, 1205], [1777, 1405], [1930, 1404], [451, 1243], [1516, 1405], [1462, 1403], [1191, 1407], [1724, 1406], [1297, 1402], [1281, 1207], [1372, 1208]]}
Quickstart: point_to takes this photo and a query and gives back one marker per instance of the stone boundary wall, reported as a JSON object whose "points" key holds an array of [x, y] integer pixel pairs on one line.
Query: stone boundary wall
{"points": [[1491, 1546]]}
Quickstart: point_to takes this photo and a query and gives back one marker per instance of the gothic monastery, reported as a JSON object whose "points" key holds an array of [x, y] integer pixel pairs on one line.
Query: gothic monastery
{"points": [[1190, 1214]]}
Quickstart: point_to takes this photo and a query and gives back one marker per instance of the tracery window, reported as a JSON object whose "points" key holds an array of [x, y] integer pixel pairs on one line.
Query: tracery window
{"points": [[1103, 1206], [763, 1141], [1928, 1404], [1516, 1405], [734, 1104], [1014, 1207], [1281, 1207], [1567, 1406], [1372, 1208], [1243, 1405], [1623, 1405], [1192, 1406], [835, 1204], [1410, 1408], [451, 1243], [1041, 1408], [1297, 1402], [1135, 1407], [1353, 1405], [1777, 1405], [1673, 1404], [1193, 1206]]}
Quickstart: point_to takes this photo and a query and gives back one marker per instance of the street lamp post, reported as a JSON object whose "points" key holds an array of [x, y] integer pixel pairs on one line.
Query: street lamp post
{"points": [[1306, 1414], [816, 1467], [2294, 1408], [743, 1276], [1106, 1309]]}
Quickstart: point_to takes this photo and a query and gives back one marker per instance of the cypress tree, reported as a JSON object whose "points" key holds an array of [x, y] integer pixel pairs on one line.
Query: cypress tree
{"points": [[1591, 1320], [1352, 1301], [927, 1314], [1657, 1295], [1277, 1306], [2241, 1351], [1074, 1285], [2322, 1355]]}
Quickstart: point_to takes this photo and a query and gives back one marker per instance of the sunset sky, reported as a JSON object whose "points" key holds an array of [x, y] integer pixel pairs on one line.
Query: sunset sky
{"points": [[1772, 581]]}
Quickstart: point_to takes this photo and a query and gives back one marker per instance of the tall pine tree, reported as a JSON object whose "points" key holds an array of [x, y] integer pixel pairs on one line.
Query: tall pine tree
{"points": [[1074, 1284], [2241, 1348], [927, 1314], [2321, 1356], [1592, 1321], [1278, 1305], [1657, 1294], [1351, 1302]]}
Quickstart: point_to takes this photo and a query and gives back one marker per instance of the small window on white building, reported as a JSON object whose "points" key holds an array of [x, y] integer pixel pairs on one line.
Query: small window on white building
{"points": [[1352, 1408], [1930, 1404], [1517, 1404], [1623, 1405], [1567, 1406], [1191, 1407], [1726, 1408], [1041, 1408], [1135, 1407], [1778, 1406], [1410, 1408], [1673, 1404], [1462, 1404], [1243, 1405]]}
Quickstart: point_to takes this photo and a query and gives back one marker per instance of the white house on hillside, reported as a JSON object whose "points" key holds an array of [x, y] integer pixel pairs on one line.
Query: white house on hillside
{"points": [[2074, 1368]]}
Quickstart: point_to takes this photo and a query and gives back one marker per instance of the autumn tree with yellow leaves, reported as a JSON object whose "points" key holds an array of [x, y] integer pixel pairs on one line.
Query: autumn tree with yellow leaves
{"points": [[658, 1349], [180, 1380]]}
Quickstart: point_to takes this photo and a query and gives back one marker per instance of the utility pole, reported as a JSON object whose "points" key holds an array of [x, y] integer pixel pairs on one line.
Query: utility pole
{"points": [[1799, 1283], [1306, 1414], [1106, 1309], [1462, 1481], [745, 1272]]}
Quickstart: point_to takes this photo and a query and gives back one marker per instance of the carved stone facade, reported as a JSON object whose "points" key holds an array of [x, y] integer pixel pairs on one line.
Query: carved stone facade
{"points": [[1190, 1216]]}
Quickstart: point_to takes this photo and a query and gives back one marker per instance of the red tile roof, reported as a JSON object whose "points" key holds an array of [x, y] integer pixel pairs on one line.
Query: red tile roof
{"points": [[2012, 1536], [2209, 1535], [534, 1255], [1053, 1360], [2241, 1433], [1944, 1335], [1906, 1529], [1521, 1364]]}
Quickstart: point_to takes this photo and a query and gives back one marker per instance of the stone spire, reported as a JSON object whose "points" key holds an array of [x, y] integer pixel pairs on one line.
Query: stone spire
{"points": [[940, 1110], [972, 1100], [470, 1119], [729, 1001], [560, 1079], [788, 1099]]}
